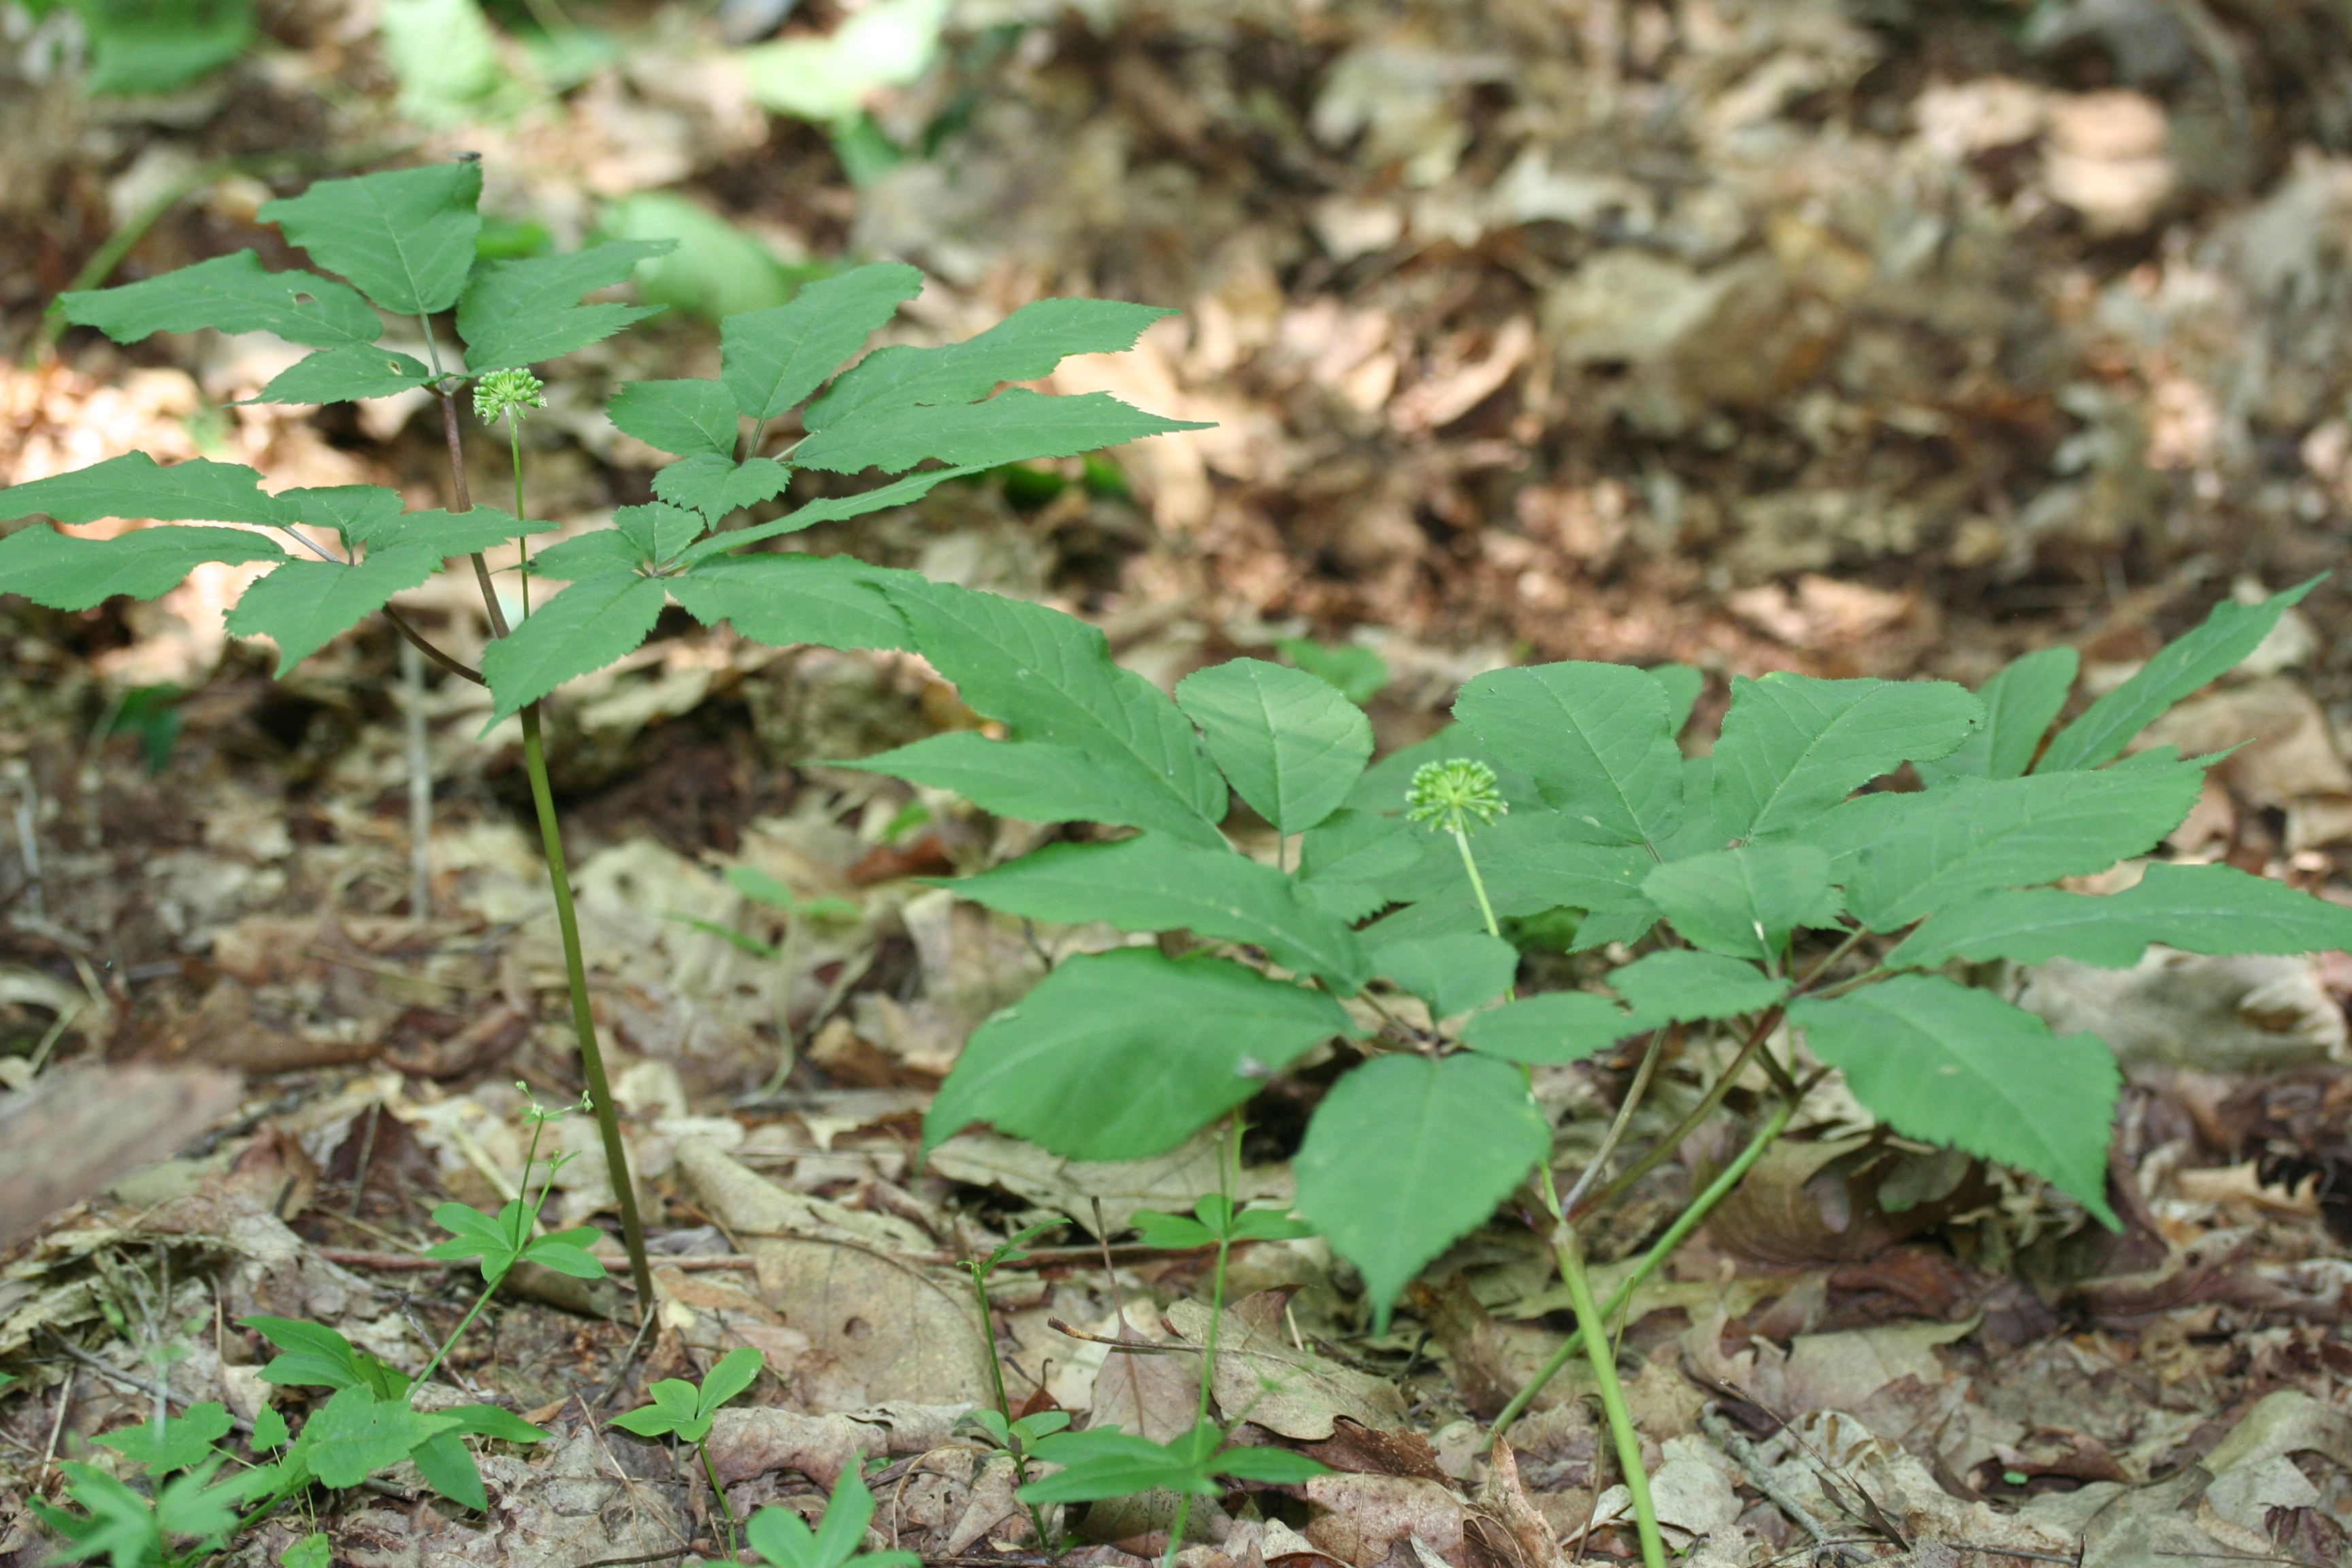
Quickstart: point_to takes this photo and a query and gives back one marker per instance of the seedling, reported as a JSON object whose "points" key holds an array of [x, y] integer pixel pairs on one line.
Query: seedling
{"points": [[783, 1541], [1019, 1437], [684, 1410]]}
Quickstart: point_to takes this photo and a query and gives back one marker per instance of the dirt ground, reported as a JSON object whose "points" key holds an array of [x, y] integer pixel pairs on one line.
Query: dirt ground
{"points": [[1875, 337]]}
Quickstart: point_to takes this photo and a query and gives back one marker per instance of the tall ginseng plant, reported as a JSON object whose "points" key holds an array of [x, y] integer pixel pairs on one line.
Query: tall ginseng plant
{"points": [[405, 244], [1789, 886]]}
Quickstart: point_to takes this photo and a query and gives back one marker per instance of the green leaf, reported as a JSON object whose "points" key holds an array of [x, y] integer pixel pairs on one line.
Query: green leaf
{"points": [[1024, 346], [450, 1469], [312, 1356], [642, 538], [683, 416], [355, 1433], [404, 237], [1452, 973], [847, 1512], [442, 533], [1531, 861], [1681, 986], [1405, 1154], [566, 1252], [1357, 671], [2182, 666], [1956, 1066], [781, 1539], [316, 1550], [1344, 860], [517, 313], [715, 486], [1168, 1232], [489, 1421], [1033, 781], [183, 1442], [584, 629], [1105, 1462], [1794, 746], [1745, 901], [1973, 836], [1290, 744], [231, 294], [1275, 1467], [1682, 683], [772, 359], [1156, 883], [302, 604], [783, 598], [356, 512], [734, 1372], [341, 375], [1124, 1055], [134, 486], [121, 1525], [1013, 426], [913, 488], [445, 58], [648, 1420], [1555, 1027], [1593, 737], [66, 572], [2019, 704], [1049, 676], [269, 1429], [2197, 908], [147, 46]]}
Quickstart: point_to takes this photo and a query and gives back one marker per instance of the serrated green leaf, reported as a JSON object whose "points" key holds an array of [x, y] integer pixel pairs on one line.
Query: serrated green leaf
{"points": [[1157, 883], [913, 488], [1024, 346], [1344, 860], [343, 374], [403, 238], [1124, 1055], [1682, 683], [685, 416], [1531, 861], [269, 1429], [358, 514], [230, 294], [449, 1469], [772, 359], [1290, 744], [2019, 702], [302, 604], [1745, 901], [316, 1550], [1595, 738], [1015, 425], [1050, 677], [584, 629], [2197, 908], [2228, 634], [1454, 973], [1681, 986], [517, 313], [1794, 746], [1555, 1027], [1953, 1065], [1383, 787], [137, 488], [641, 538], [715, 486], [66, 572], [1405, 1154], [444, 533], [184, 1440], [837, 601], [1033, 781], [1974, 836], [355, 1433]]}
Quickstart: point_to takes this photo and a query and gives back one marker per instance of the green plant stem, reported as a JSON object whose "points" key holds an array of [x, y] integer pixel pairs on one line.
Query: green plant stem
{"points": [[1690, 1219], [522, 542], [726, 1509], [1697, 1113], [489, 1288], [1477, 883], [1593, 1329], [1216, 1312]]}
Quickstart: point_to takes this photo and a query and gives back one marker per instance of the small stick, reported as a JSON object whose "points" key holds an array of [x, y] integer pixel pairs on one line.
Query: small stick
{"points": [[57, 1426], [1625, 1110], [1751, 1465]]}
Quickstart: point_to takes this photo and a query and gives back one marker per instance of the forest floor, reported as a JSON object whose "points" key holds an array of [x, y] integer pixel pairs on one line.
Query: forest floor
{"points": [[1890, 339]]}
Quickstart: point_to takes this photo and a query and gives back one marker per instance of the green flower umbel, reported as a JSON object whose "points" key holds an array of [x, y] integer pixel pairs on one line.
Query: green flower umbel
{"points": [[1454, 796], [505, 392]]}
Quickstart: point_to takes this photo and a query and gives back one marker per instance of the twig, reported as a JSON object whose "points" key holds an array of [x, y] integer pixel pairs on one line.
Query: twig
{"points": [[621, 1373], [57, 1426], [1133, 1347], [425, 645], [1760, 1476]]}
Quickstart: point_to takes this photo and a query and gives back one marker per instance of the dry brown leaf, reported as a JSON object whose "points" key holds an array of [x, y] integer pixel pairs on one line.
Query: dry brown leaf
{"points": [[1263, 1377]]}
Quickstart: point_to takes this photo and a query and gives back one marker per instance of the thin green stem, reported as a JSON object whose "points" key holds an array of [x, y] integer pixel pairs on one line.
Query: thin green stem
{"points": [[1477, 883], [988, 1338], [726, 1509], [1666, 1145], [1594, 1331], [432, 350], [489, 1288], [1227, 1182], [522, 542]]}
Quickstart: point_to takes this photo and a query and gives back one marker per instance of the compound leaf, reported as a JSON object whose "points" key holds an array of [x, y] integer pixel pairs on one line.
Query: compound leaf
{"points": [[1452, 973], [1958, 1066], [1745, 901], [1288, 742], [1973, 836], [517, 313], [231, 294], [1555, 1027], [343, 374], [685, 416], [584, 629], [1049, 676], [1124, 1055], [783, 598], [715, 485], [2228, 634], [405, 237], [135, 486], [1013, 426], [772, 359], [303, 603], [1597, 739], [1157, 883], [2019, 702], [1405, 1154], [1681, 986], [2197, 908], [69, 573], [1793, 746], [1023, 346]]}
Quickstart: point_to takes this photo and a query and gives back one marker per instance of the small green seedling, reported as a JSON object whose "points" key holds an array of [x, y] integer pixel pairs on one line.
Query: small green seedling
{"points": [[1215, 1220], [1106, 1462], [682, 1409], [783, 1541], [1014, 1436]]}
